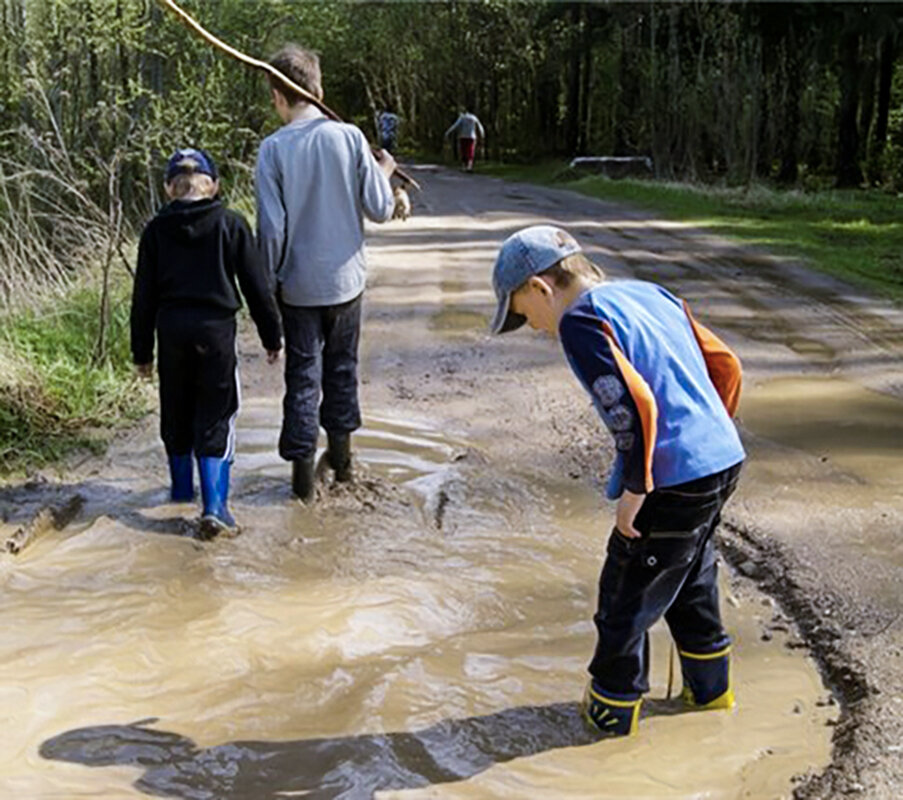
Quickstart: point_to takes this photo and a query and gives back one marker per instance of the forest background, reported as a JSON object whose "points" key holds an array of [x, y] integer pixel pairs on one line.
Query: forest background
{"points": [[94, 95]]}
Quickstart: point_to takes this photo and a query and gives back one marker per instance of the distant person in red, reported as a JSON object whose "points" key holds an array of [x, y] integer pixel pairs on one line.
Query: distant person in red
{"points": [[467, 128]]}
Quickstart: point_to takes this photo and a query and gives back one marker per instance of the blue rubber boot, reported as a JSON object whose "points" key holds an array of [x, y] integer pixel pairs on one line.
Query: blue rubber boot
{"points": [[216, 518], [707, 679], [181, 473], [610, 713]]}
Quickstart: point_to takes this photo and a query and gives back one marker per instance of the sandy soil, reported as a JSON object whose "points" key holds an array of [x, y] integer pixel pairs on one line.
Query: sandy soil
{"points": [[496, 434]]}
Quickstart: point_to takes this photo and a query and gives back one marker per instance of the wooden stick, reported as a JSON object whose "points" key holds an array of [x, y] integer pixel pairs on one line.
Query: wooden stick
{"points": [[670, 672], [256, 63], [43, 521]]}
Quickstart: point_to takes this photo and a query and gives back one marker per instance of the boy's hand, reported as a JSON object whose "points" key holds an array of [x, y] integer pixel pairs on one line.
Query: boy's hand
{"points": [[145, 371], [628, 507], [385, 161], [273, 356]]}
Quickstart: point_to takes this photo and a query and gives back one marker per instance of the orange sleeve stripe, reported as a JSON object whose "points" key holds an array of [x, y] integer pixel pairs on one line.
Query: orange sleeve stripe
{"points": [[721, 362], [642, 397]]}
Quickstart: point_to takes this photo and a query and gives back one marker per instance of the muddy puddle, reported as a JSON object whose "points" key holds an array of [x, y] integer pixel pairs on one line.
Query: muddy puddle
{"points": [[825, 457], [424, 635], [856, 432]]}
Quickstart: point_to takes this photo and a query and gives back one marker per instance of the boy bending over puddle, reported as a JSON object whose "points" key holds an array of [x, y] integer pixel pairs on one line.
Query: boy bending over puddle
{"points": [[666, 387]]}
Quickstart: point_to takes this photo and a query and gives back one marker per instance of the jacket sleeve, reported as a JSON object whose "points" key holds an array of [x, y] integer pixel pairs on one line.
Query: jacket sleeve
{"points": [[480, 129], [376, 190], [271, 219], [143, 317], [255, 283], [721, 363], [620, 395]]}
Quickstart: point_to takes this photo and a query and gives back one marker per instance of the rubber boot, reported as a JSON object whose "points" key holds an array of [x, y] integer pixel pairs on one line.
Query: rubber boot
{"points": [[338, 454], [181, 473], [216, 518], [610, 713], [304, 478], [707, 679]]}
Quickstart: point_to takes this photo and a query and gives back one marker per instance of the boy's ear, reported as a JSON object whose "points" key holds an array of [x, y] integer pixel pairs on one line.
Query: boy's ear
{"points": [[541, 285]]}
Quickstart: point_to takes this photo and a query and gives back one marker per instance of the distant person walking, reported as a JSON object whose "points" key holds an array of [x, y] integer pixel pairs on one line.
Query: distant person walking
{"points": [[466, 129], [387, 127]]}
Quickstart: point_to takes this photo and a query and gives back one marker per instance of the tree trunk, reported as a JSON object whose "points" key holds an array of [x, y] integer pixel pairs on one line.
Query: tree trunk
{"points": [[573, 83], [788, 137], [847, 172], [888, 55], [586, 82]]}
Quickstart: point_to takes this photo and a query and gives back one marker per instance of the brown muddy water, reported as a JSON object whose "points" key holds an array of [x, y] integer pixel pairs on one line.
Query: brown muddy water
{"points": [[825, 457], [424, 635]]}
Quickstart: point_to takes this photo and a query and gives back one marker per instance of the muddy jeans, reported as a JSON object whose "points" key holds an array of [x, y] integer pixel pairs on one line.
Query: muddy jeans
{"points": [[670, 570], [320, 374]]}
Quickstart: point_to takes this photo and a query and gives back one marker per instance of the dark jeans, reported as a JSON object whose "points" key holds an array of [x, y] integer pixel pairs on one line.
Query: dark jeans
{"points": [[320, 374], [670, 570], [199, 392]]}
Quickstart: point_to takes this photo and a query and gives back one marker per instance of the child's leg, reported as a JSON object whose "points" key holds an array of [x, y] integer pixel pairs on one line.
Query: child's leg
{"points": [[217, 395], [340, 412], [303, 378], [695, 617], [175, 366], [640, 580]]}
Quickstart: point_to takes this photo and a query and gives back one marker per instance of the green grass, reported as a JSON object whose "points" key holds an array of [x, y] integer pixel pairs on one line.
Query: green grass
{"points": [[853, 235], [55, 397]]}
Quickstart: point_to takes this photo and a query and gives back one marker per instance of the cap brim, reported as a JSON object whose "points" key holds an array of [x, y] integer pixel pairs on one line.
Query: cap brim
{"points": [[506, 320]]}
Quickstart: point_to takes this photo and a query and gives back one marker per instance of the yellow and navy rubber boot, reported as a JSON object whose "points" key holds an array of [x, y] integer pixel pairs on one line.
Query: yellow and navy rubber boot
{"points": [[611, 713], [707, 679]]}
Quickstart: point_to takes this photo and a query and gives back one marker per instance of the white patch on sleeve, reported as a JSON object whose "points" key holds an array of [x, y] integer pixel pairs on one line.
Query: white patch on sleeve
{"points": [[609, 389], [621, 418], [624, 441]]}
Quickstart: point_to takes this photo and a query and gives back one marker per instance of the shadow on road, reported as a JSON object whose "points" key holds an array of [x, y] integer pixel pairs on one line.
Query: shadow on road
{"points": [[340, 768]]}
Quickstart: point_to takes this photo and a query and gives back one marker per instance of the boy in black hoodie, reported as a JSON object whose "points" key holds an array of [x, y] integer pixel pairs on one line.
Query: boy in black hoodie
{"points": [[189, 259]]}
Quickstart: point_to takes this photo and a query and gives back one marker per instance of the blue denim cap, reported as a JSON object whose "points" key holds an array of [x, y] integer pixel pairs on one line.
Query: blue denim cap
{"points": [[203, 163], [524, 254]]}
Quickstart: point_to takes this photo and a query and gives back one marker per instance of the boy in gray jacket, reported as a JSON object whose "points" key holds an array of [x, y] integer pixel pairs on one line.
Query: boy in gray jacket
{"points": [[316, 179]]}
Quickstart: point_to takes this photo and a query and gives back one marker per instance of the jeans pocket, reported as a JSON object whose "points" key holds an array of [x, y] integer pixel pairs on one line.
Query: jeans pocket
{"points": [[620, 545]]}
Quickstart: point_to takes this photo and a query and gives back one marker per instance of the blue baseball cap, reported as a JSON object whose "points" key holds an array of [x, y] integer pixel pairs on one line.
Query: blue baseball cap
{"points": [[190, 160], [525, 253]]}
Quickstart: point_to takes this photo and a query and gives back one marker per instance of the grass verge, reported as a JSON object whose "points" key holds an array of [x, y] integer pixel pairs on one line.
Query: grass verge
{"points": [[55, 396], [855, 235]]}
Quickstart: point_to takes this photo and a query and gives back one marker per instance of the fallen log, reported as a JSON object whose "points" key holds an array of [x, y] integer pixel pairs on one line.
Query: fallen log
{"points": [[47, 518]]}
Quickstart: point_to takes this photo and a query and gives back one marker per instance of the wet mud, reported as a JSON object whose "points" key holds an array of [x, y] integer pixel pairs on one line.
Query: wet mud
{"points": [[424, 632]]}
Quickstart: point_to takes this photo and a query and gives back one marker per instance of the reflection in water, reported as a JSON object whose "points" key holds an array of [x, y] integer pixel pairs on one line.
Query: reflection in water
{"points": [[346, 768]]}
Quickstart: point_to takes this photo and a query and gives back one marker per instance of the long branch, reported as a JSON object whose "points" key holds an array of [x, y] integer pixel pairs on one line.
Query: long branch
{"points": [[201, 31], [256, 63]]}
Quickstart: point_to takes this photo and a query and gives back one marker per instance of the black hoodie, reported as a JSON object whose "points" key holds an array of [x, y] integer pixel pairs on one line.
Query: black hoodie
{"points": [[190, 255]]}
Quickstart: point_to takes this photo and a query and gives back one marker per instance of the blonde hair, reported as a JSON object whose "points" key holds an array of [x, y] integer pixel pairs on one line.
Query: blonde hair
{"points": [[571, 267], [186, 183]]}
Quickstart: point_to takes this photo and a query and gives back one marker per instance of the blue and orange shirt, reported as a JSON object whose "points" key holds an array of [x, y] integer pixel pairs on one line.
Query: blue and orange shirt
{"points": [[665, 386]]}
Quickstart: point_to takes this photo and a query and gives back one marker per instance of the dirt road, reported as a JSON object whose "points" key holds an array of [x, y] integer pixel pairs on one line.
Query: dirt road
{"points": [[425, 634], [817, 523]]}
